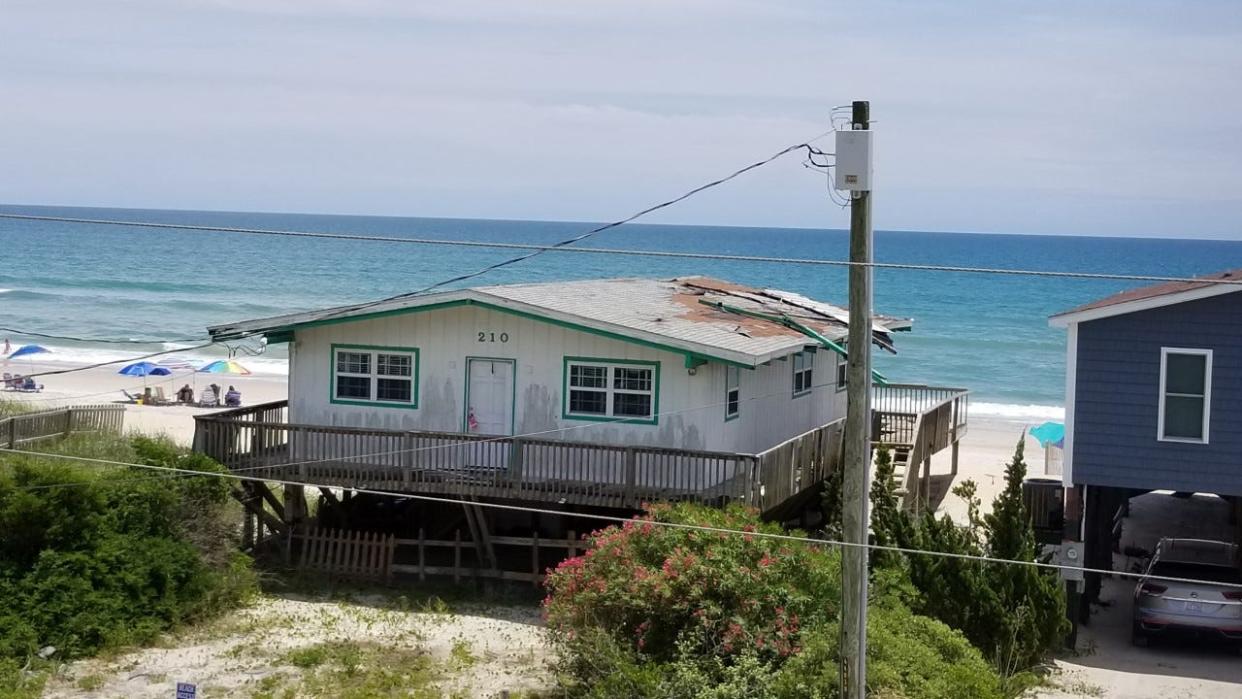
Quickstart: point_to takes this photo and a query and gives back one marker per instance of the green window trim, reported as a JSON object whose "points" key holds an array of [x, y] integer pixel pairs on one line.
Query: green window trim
{"points": [[611, 363], [373, 350]]}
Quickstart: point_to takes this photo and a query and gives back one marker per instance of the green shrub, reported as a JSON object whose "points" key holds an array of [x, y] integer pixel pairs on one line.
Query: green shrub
{"points": [[663, 590], [94, 557], [652, 611], [1015, 614]]}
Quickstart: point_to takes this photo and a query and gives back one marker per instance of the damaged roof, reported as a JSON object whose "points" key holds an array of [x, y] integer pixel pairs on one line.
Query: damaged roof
{"points": [[699, 316]]}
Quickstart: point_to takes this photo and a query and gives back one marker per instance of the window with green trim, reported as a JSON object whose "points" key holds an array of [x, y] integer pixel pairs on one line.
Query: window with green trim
{"points": [[610, 390], [374, 375], [733, 392], [803, 363]]}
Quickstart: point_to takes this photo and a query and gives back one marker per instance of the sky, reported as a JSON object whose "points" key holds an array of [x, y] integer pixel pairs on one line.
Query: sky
{"points": [[1100, 118]]}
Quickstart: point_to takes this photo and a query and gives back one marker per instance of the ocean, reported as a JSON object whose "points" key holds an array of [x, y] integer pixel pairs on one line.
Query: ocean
{"points": [[988, 333]]}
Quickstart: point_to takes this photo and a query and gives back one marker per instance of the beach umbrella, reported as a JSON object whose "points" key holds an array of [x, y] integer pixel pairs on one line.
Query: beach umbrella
{"points": [[144, 369], [26, 350], [225, 366], [1050, 433]]}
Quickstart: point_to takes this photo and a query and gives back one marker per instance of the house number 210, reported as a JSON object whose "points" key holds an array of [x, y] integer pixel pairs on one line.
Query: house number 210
{"points": [[493, 337]]}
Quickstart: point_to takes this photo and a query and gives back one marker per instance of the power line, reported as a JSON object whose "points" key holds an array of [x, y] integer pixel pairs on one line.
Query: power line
{"points": [[558, 247], [622, 520]]}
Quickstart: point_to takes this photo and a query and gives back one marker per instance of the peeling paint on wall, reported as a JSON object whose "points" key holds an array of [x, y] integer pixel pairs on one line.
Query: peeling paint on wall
{"points": [[539, 410]]}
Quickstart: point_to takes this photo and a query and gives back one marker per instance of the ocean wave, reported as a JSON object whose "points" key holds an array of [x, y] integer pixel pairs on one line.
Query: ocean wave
{"points": [[1017, 412], [271, 366], [5, 291]]}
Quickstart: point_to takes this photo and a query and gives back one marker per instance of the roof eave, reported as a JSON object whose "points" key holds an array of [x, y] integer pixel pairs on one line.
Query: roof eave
{"points": [[1068, 318]]}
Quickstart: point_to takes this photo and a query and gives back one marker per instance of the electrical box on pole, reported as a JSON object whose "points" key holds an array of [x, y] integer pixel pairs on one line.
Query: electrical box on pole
{"points": [[853, 161]]}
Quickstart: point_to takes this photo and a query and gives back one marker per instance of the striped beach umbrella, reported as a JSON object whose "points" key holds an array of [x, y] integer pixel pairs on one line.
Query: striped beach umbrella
{"points": [[225, 366]]}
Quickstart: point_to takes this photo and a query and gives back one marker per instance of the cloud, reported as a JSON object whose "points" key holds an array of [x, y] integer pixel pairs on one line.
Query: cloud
{"points": [[1060, 118]]}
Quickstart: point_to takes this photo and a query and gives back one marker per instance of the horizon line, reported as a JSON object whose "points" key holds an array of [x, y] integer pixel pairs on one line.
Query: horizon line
{"points": [[592, 223]]}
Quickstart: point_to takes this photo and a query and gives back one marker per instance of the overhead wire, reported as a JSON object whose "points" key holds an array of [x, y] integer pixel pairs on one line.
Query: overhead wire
{"points": [[624, 520]]}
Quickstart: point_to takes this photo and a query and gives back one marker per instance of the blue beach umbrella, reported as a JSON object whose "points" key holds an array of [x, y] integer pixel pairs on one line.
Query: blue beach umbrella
{"points": [[1050, 433], [144, 369], [25, 350]]}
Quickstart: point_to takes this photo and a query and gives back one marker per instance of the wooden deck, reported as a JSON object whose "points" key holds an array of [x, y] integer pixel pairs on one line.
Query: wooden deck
{"points": [[916, 422], [258, 440]]}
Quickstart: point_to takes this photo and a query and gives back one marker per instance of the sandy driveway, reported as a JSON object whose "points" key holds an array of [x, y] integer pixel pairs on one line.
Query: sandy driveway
{"points": [[1109, 666]]}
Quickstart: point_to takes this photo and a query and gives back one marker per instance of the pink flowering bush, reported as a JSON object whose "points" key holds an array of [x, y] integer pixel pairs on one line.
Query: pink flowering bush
{"points": [[677, 613], [663, 591]]}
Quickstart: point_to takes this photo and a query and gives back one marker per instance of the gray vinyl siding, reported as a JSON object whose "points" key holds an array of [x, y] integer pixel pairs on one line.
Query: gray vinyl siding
{"points": [[1117, 399]]}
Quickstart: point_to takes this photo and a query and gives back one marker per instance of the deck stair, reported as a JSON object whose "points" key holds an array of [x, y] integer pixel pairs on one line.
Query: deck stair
{"points": [[915, 423]]}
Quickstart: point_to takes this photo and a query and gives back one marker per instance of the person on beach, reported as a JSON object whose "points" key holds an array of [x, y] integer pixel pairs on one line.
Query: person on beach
{"points": [[233, 397], [185, 395], [7, 347]]}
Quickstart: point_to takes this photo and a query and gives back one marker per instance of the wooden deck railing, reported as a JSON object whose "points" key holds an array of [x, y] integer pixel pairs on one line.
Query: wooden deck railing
{"points": [[896, 408], [938, 427], [799, 463], [256, 439], [25, 428]]}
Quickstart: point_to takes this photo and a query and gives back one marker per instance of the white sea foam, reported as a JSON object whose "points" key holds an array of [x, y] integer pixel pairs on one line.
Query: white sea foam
{"points": [[1017, 412], [5, 291], [95, 355]]}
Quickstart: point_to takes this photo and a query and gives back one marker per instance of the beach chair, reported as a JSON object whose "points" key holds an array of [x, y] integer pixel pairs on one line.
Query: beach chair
{"points": [[8, 381], [128, 397], [158, 398], [208, 399]]}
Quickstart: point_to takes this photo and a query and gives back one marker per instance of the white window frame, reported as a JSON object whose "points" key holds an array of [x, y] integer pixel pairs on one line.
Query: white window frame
{"points": [[610, 390], [1207, 392], [733, 385], [803, 363], [374, 375], [843, 373]]}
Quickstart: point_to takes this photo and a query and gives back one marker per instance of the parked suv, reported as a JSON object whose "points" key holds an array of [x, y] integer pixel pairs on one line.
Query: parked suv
{"points": [[1211, 607]]}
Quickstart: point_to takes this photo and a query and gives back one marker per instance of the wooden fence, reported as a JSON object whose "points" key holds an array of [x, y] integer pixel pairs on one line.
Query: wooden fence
{"points": [[348, 554], [60, 422], [373, 556]]}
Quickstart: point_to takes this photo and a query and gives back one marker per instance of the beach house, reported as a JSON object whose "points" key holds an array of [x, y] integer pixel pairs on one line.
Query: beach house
{"points": [[1153, 378], [599, 393]]}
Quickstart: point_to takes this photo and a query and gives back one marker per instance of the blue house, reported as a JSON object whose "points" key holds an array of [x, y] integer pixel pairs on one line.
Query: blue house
{"points": [[1153, 400]]}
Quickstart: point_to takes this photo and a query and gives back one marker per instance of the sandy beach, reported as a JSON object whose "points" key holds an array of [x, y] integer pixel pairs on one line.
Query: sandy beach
{"points": [[105, 385]]}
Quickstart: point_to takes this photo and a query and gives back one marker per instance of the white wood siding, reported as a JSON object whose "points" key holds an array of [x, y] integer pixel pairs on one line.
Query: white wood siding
{"points": [[691, 408]]}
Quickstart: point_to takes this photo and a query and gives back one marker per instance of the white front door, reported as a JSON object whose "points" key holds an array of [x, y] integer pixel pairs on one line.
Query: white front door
{"points": [[489, 396]]}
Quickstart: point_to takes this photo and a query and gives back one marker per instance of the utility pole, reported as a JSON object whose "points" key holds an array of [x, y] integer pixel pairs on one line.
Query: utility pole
{"points": [[855, 503]]}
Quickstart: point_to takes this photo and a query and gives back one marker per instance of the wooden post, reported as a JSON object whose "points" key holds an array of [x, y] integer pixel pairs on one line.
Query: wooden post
{"points": [[856, 514], [534, 559], [456, 556], [573, 543], [422, 556], [631, 477], [516, 457]]}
